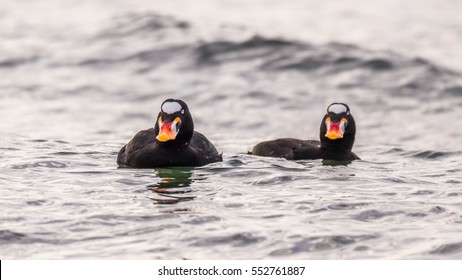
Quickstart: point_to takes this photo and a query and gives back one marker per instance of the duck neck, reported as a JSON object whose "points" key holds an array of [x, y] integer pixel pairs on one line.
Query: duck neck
{"points": [[340, 145]]}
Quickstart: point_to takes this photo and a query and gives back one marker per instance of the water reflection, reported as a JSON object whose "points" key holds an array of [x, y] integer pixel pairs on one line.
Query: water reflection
{"points": [[174, 185], [329, 162]]}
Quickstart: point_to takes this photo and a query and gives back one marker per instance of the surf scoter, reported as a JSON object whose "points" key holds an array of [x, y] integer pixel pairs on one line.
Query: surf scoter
{"points": [[337, 134], [172, 141]]}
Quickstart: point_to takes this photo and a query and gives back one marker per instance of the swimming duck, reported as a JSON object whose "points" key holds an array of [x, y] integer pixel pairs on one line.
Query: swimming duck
{"points": [[337, 135], [172, 141]]}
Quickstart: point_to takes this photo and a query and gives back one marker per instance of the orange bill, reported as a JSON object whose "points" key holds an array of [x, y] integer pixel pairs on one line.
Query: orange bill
{"points": [[335, 130], [168, 130]]}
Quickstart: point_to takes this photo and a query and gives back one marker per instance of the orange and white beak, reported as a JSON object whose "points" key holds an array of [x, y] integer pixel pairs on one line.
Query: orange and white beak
{"points": [[168, 130], [335, 130]]}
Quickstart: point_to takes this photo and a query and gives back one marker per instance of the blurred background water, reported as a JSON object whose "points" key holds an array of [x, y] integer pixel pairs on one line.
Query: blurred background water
{"points": [[79, 78]]}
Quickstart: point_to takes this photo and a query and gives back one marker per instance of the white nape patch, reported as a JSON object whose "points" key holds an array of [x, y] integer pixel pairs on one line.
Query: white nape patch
{"points": [[337, 109], [171, 107]]}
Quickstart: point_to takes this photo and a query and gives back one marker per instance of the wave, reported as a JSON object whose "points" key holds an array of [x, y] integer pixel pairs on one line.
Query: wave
{"points": [[165, 42], [324, 243], [448, 249], [133, 24], [18, 61], [423, 154], [146, 42]]}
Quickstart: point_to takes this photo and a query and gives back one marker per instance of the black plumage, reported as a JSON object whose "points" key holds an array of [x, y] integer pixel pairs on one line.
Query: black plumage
{"points": [[172, 142], [337, 136]]}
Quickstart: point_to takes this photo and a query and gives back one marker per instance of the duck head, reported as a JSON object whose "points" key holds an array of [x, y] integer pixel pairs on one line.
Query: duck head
{"points": [[174, 125], [338, 128]]}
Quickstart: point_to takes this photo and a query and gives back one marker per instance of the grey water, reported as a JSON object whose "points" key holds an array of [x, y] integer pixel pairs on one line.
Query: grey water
{"points": [[79, 78]]}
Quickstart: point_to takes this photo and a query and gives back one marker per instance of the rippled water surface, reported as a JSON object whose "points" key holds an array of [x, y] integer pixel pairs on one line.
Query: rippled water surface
{"points": [[78, 81]]}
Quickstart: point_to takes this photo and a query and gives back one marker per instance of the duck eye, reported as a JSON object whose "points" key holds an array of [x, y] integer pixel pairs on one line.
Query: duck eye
{"points": [[182, 111]]}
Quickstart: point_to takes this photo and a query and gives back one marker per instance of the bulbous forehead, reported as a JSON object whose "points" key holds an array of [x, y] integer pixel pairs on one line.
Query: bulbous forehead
{"points": [[171, 107], [338, 108]]}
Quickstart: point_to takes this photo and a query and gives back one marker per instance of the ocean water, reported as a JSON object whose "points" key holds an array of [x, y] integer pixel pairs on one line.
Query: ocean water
{"points": [[78, 80]]}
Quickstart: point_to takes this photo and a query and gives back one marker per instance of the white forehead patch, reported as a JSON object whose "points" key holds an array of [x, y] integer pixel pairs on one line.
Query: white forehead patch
{"points": [[337, 109], [171, 107]]}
